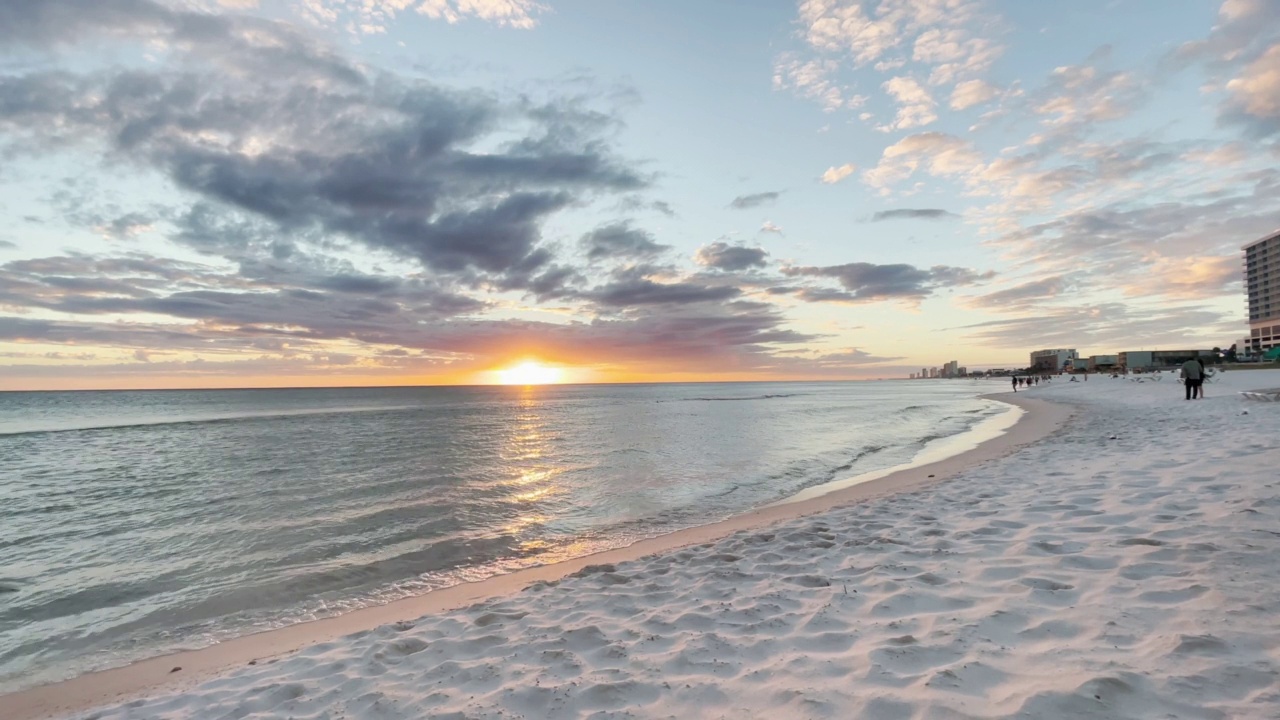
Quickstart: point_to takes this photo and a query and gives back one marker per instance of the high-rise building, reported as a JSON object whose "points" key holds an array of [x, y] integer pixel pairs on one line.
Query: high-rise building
{"points": [[1262, 284]]}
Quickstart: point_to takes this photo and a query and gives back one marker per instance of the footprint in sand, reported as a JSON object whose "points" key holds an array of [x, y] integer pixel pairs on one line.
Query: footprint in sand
{"points": [[1173, 597], [1045, 584]]}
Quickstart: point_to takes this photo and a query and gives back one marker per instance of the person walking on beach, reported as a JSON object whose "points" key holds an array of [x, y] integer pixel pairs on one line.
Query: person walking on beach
{"points": [[1015, 384], [1192, 373]]}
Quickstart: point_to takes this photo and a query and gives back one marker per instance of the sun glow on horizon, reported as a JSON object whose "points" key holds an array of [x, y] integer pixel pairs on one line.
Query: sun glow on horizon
{"points": [[530, 372]]}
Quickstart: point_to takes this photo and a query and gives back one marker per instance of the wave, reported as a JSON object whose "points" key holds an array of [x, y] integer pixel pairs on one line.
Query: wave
{"points": [[735, 399], [263, 415]]}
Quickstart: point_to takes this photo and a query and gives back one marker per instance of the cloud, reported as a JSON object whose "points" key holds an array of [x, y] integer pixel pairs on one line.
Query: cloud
{"points": [[970, 93], [851, 357], [126, 227], [399, 174], [512, 13], [1023, 297], [769, 226], [376, 16], [916, 106], [743, 202], [954, 53], [939, 153], [945, 38], [621, 241], [913, 214], [1106, 327], [1254, 95], [812, 79], [631, 292], [867, 282], [6, 245], [723, 256], [1088, 94], [834, 174]]}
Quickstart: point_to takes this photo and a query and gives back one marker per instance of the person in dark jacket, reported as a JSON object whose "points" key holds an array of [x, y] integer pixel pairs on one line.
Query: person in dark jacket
{"points": [[1192, 376]]}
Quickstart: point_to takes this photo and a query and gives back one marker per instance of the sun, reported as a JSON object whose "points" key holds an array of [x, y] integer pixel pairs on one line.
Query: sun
{"points": [[530, 372]]}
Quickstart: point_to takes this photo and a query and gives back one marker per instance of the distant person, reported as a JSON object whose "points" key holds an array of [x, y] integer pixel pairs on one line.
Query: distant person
{"points": [[1015, 384], [1204, 375], [1192, 376]]}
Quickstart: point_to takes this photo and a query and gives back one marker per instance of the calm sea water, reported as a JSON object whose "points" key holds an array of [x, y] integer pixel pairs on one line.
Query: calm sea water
{"points": [[135, 523]]}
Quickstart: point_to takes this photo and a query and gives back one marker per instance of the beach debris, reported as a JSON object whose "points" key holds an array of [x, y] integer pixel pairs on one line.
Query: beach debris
{"points": [[175, 669]]}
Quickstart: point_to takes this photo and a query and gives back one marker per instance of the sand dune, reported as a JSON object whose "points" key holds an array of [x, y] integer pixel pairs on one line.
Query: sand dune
{"points": [[1126, 567]]}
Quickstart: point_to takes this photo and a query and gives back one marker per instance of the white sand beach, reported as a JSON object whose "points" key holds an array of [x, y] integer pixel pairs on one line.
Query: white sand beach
{"points": [[1124, 566]]}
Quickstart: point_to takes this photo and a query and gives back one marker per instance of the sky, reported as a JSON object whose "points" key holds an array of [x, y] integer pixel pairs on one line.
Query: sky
{"points": [[257, 193]]}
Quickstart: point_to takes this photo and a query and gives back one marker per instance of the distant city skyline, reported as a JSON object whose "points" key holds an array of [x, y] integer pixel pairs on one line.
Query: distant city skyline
{"points": [[241, 193]]}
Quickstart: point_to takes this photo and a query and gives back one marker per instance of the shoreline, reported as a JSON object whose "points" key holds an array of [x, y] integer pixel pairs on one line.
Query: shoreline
{"points": [[157, 675]]}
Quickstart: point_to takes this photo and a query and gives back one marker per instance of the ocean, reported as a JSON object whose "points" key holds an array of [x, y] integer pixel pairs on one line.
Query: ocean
{"points": [[138, 523]]}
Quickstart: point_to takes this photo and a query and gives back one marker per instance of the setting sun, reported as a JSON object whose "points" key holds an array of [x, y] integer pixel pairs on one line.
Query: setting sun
{"points": [[530, 372]]}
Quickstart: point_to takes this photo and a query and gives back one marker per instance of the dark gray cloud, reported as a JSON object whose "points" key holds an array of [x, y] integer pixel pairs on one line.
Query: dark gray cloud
{"points": [[631, 292], [913, 214], [620, 241], [239, 44], [40, 24], [382, 161], [732, 258], [743, 202], [1023, 296], [343, 304], [832, 295], [867, 282]]}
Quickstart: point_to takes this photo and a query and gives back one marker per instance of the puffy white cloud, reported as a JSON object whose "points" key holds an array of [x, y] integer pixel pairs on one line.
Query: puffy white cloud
{"points": [[944, 38], [1086, 93], [834, 174], [373, 16], [1256, 91], [512, 13], [810, 79], [915, 105], [954, 53], [939, 153], [838, 25], [972, 92]]}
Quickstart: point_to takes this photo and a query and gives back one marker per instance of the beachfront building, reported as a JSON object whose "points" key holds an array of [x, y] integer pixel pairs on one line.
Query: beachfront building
{"points": [[1262, 284], [1160, 359], [1097, 363], [1052, 360]]}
